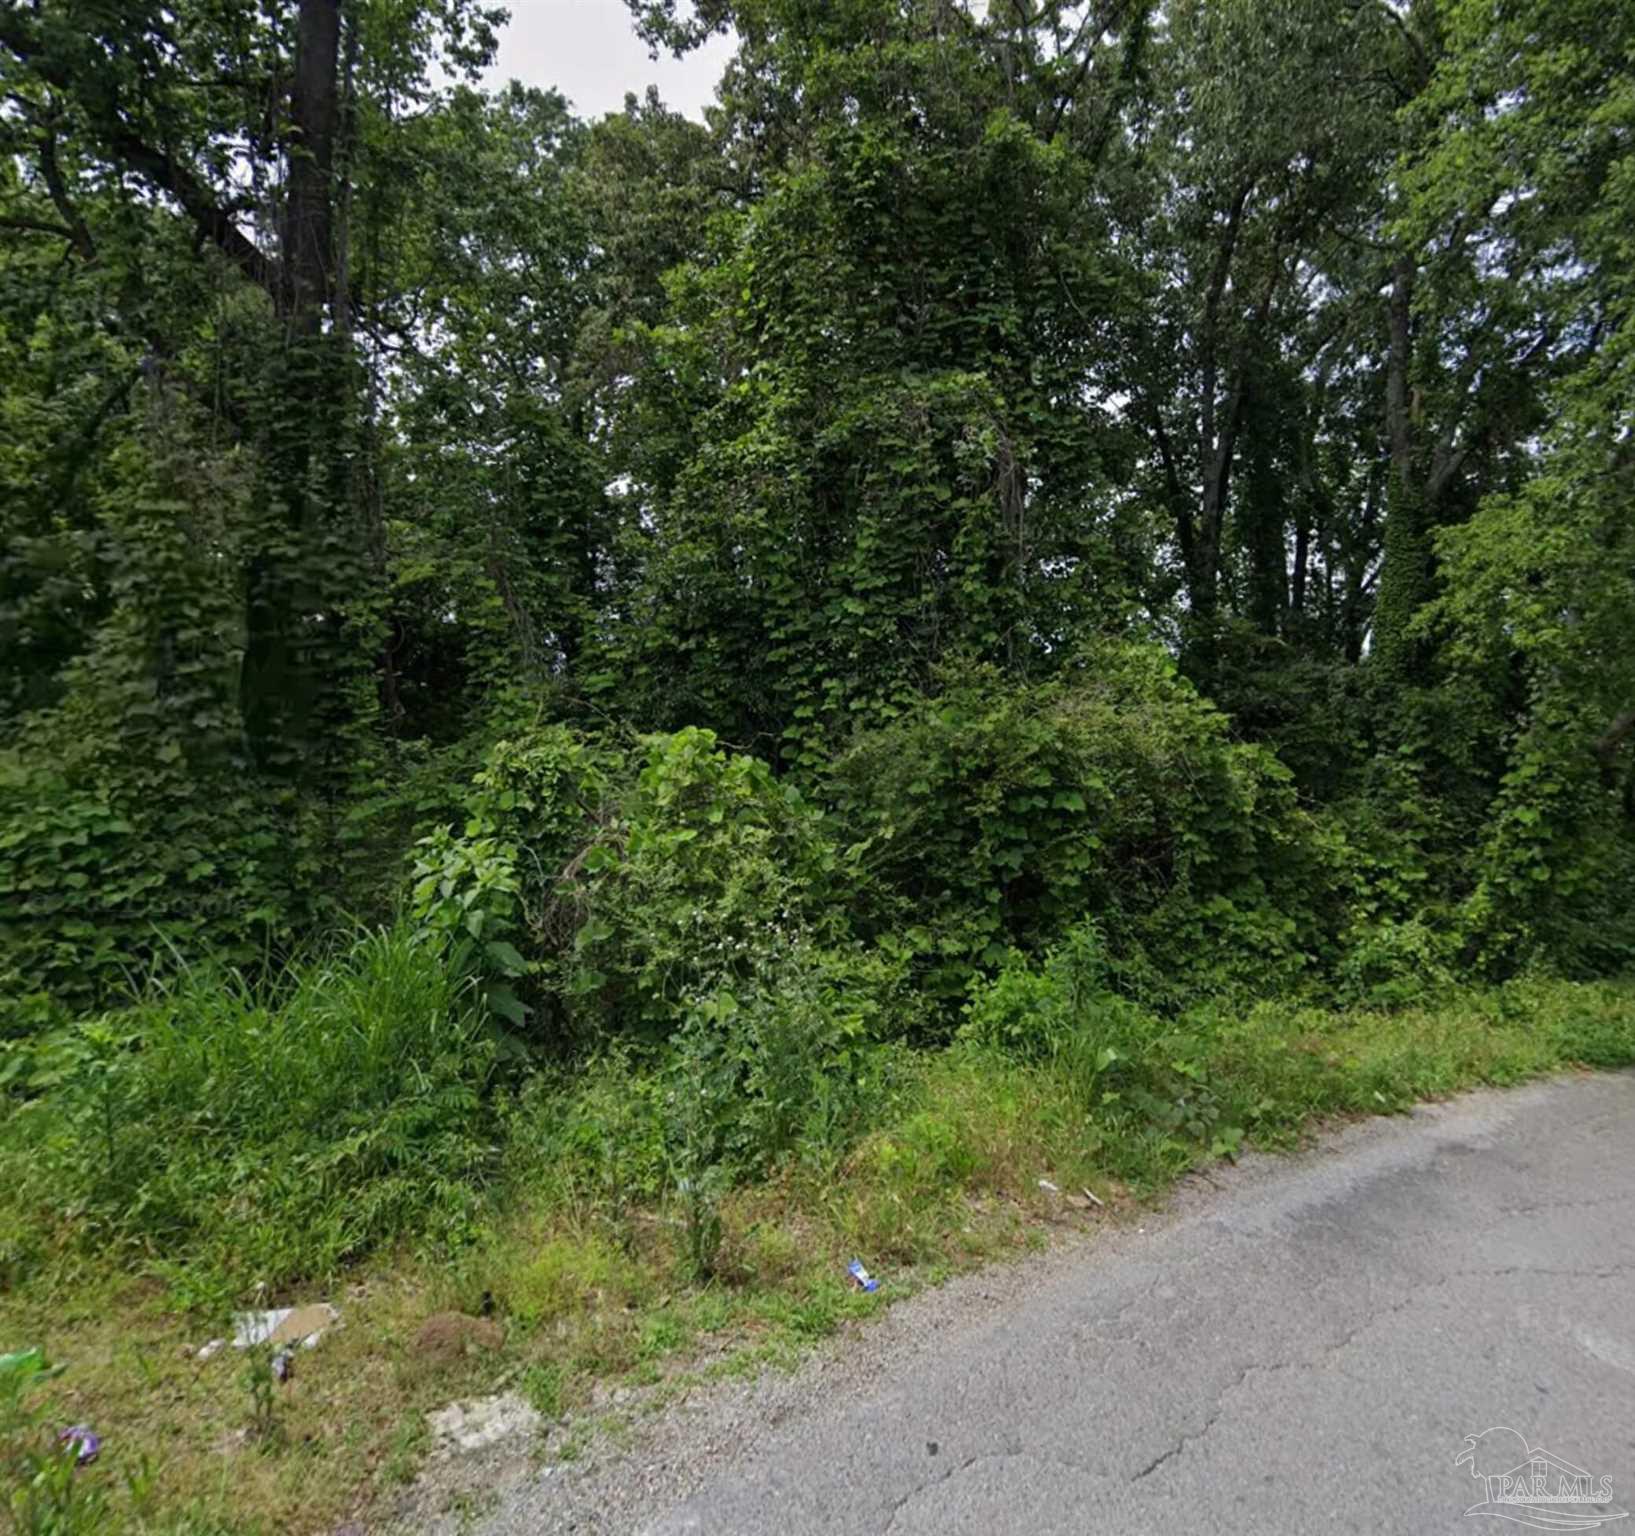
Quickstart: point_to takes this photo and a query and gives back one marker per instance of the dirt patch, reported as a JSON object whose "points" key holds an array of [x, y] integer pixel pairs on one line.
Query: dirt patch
{"points": [[449, 1336]]}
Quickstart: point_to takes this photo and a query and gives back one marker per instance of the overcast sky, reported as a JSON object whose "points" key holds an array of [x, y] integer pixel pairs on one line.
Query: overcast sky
{"points": [[589, 51]]}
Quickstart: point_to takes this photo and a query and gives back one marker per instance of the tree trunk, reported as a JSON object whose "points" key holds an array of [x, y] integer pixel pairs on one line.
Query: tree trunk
{"points": [[1405, 582], [291, 627], [309, 209]]}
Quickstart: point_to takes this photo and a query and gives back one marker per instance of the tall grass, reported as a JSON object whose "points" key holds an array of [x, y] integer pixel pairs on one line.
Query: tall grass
{"points": [[272, 1127]]}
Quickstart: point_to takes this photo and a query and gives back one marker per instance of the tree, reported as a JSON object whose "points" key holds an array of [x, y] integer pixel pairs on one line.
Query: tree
{"points": [[244, 129], [891, 379], [1532, 148]]}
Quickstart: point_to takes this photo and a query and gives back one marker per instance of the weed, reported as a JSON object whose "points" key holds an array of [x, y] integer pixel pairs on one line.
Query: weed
{"points": [[328, 1109], [542, 1387], [261, 1385], [404, 1450]]}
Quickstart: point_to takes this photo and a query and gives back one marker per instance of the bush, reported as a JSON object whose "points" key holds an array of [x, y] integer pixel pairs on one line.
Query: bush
{"points": [[995, 816], [1140, 1076], [709, 869], [1054, 1010], [618, 892], [102, 871], [783, 1064], [788, 1062], [1389, 964], [133, 819], [490, 892], [277, 1127]]}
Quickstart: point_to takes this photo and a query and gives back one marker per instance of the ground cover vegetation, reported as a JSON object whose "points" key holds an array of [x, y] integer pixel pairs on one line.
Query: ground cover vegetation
{"points": [[596, 717]]}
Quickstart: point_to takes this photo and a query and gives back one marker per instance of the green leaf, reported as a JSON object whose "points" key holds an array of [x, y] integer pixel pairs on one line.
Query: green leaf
{"points": [[506, 957], [507, 1005]]}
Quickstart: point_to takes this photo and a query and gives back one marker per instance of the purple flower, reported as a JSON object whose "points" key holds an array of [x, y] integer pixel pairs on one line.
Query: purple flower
{"points": [[84, 1441]]}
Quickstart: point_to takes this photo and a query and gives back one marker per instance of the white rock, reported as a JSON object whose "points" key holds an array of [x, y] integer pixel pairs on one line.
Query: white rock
{"points": [[485, 1421]]}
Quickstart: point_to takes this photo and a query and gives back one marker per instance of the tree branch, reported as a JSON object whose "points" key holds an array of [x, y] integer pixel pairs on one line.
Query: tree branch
{"points": [[1184, 531], [78, 234], [162, 170], [1415, 46], [1104, 20], [37, 226]]}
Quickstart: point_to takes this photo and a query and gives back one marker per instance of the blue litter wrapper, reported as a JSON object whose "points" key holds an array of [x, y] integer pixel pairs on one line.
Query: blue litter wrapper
{"points": [[861, 1277]]}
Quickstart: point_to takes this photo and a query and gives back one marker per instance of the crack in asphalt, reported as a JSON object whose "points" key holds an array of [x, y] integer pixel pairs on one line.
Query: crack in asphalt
{"points": [[1533, 1208], [1415, 1293], [956, 1470]]}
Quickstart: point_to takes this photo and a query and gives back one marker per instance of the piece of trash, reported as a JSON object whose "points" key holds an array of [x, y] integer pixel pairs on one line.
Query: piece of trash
{"points": [[1089, 1195], [84, 1442], [283, 1364], [861, 1278], [211, 1347], [1048, 1187], [284, 1325], [470, 1426]]}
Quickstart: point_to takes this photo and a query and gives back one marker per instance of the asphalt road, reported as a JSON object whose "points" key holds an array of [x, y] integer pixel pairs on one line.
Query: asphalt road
{"points": [[1301, 1351]]}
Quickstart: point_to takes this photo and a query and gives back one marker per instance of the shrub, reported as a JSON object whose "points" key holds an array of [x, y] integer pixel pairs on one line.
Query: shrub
{"points": [[489, 893], [1389, 963], [1061, 1009], [995, 816], [1149, 1086], [616, 893], [133, 821], [103, 871], [708, 869], [784, 1063]]}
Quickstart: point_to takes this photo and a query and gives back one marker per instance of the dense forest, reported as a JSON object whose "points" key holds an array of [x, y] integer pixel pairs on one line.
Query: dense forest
{"points": [[1162, 465], [1033, 512]]}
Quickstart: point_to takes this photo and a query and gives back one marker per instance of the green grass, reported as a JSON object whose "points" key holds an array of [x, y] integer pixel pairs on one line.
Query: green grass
{"points": [[574, 1236], [253, 1131]]}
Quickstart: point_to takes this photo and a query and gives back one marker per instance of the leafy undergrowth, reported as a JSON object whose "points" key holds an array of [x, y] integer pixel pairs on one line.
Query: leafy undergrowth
{"points": [[590, 1257]]}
